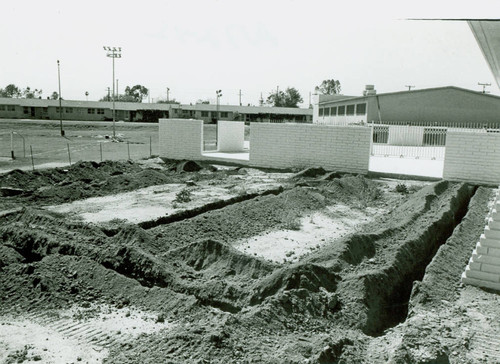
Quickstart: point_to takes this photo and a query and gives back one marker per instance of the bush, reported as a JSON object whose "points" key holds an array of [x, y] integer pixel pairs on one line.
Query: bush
{"points": [[183, 196], [401, 188]]}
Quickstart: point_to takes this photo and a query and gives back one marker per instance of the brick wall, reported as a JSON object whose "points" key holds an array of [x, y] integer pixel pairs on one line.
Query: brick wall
{"points": [[181, 138], [342, 148], [472, 157]]}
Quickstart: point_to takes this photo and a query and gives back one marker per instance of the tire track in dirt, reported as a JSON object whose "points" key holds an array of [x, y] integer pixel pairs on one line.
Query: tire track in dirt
{"points": [[85, 333]]}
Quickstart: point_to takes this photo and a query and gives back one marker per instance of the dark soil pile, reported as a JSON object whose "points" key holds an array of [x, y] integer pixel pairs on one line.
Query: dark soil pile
{"points": [[90, 179], [229, 306]]}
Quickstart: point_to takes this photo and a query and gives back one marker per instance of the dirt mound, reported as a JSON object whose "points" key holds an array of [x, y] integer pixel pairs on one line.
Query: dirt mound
{"points": [[220, 259], [244, 219], [310, 277], [229, 306]]}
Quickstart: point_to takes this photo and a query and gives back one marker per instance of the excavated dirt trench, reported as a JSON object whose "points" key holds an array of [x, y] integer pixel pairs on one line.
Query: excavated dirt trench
{"points": [[385, 288], [362, 281]]}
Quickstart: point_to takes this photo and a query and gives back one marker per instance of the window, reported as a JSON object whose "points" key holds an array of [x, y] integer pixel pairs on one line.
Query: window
{"points": [[11, 108], [341, 110], [223, 114], [57, 110], [100, 111], [2, 107], [360, 109], [90, 111], [326, 112], [214, 114], [350, 110], [69, 110], [26, 110], [333, 111], [321, 110], [204, 113]]}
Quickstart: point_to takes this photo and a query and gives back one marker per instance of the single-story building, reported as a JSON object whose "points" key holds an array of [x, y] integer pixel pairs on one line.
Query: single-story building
{"points": [[432, 106], [17, 108]]}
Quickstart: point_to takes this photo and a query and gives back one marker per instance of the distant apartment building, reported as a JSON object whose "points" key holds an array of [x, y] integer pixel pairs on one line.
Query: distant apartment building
{"points": [[12, 108]]}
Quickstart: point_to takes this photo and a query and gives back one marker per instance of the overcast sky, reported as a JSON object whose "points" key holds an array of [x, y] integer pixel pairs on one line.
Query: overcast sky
{"points": [[197, 47]]}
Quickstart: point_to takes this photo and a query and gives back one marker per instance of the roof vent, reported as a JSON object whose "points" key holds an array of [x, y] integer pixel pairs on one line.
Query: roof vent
{"points": [[369, 90]]}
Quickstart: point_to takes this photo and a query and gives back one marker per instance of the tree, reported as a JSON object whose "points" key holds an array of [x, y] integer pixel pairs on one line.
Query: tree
{"points": [[31, 94], [288, 98], [54, 96], [10, 91], [328, 87], [138, 92], [132, 94], [203, 102], [171, 101]]}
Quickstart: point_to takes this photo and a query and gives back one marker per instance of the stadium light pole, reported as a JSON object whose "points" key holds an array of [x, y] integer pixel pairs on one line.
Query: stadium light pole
{"points": [[113, 52], [60, 108]]}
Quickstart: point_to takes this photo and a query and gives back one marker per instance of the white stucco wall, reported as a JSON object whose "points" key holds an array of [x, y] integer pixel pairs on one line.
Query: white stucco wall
{"points": [[230, 136]]}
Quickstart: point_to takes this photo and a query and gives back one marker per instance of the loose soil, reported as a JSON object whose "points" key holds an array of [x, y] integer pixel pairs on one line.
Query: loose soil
{"points": [[248, 266]]}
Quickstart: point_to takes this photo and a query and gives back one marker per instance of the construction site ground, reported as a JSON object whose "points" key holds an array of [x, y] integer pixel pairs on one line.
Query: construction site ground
{"points": [[160, 261]]}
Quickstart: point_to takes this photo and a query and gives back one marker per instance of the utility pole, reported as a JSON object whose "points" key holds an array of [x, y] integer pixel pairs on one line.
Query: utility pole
{"points": [[219, 95], [117, 93], [113, 53], [87, 95], [261, 100], [109, 93], [60, 99], [240, 96], [310, 105], [168, 92], [409, 87], [484, 87]]}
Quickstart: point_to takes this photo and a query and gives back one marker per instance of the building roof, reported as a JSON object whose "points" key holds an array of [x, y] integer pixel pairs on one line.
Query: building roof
{"points": [[359, 98], [328, 98], [487, 34], [132, 106], [85, 104], [247, 109]]}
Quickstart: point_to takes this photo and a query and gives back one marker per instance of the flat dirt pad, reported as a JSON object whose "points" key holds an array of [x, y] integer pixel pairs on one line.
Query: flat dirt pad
{"points": [[153, 202], [309, 233]]}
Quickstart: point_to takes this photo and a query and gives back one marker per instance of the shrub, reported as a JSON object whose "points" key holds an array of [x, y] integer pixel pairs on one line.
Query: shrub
{"points": [[183, 196], [401, 188]]}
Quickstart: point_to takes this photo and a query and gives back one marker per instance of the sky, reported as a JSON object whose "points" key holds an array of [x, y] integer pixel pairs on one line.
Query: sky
{"points": [[195, 47]]}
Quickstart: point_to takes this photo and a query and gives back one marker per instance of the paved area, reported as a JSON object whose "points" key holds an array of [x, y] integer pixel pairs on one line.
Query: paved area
{"points": [[407, 166]]}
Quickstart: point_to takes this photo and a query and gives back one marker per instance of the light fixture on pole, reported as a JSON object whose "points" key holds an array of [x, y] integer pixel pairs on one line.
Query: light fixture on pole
{"points": [[219, 95], [60, 99], [113, 52]]}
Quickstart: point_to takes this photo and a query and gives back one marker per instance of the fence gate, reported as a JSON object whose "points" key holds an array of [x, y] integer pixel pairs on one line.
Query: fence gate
{"points": [[424, 140]]}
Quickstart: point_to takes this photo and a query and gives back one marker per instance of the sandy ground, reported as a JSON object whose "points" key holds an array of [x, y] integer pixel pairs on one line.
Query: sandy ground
{"points": [[153, 202], [75, 335], [313, 231]]}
